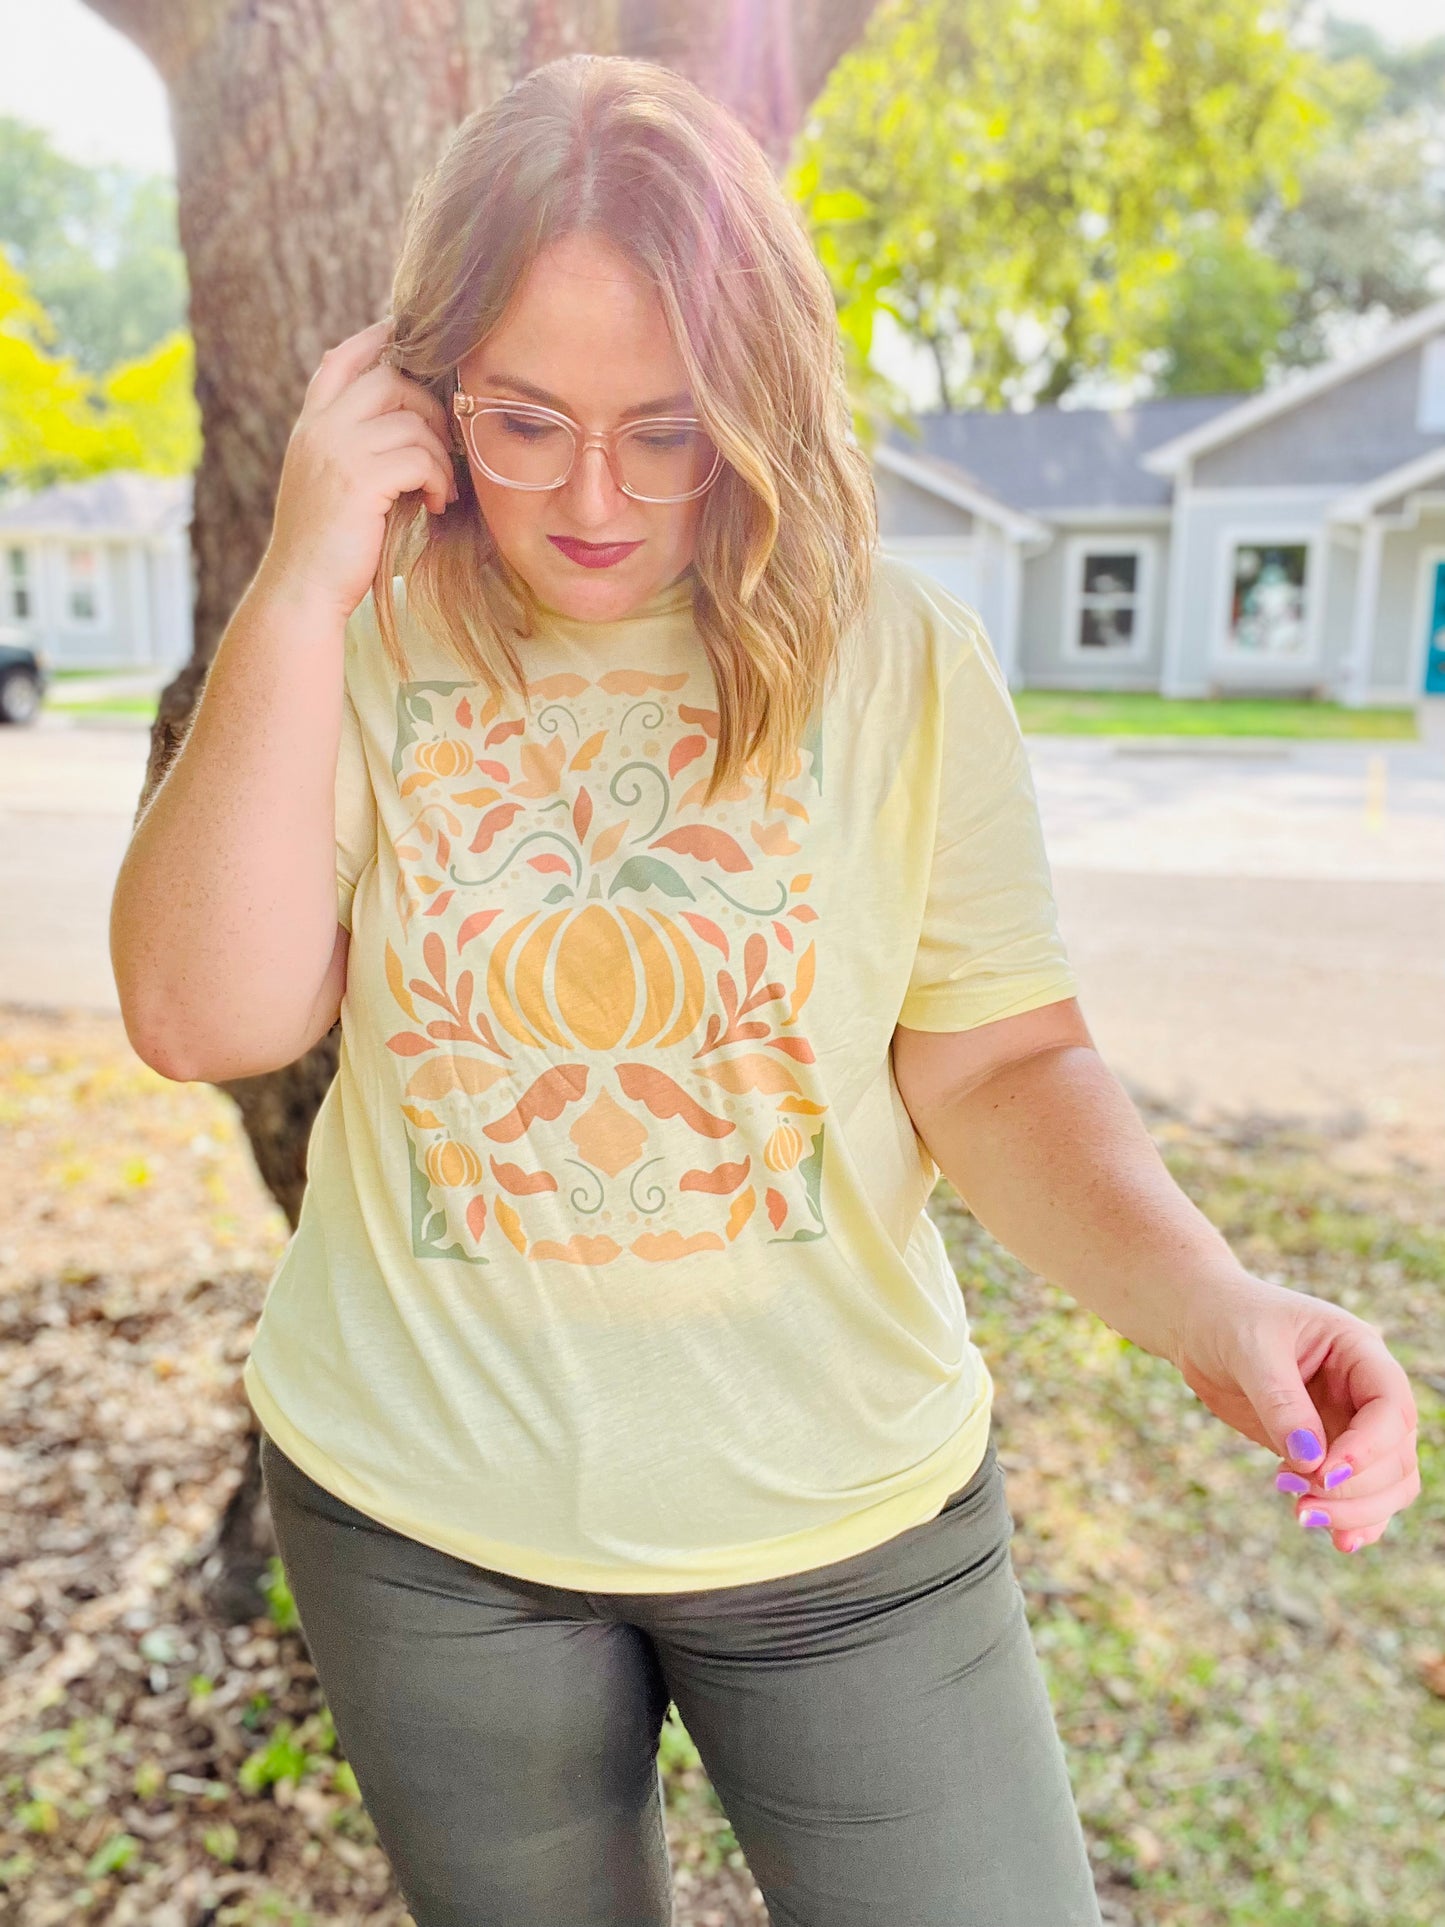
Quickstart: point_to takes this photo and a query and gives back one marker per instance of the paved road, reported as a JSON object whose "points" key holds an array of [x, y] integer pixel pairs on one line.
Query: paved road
{"points": [[1257, 926]]}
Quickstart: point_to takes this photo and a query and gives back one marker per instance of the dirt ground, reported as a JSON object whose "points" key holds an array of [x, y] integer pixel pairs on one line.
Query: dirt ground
{"points": [[155, 1768]]}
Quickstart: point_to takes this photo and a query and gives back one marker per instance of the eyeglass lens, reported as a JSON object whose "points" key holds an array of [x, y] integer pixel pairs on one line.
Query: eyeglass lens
{"points": [[658, 461]]}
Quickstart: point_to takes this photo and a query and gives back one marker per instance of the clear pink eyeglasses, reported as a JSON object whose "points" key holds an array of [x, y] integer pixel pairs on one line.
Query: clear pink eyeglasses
{"points": [[525, 445]]}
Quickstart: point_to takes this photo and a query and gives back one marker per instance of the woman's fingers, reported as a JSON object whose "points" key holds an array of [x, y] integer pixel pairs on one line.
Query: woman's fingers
{"points": [[341, 365], [382, 389], [1357, 1512]]}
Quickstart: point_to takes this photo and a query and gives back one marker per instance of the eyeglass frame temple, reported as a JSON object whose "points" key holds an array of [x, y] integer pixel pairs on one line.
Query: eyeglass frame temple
{"points": [[466, 405]]}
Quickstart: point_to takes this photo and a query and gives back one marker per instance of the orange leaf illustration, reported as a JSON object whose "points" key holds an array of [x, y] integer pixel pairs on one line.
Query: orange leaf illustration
{"points": [[685, 750], [751, 1073], [512, 1225], [664, 1098], [777, 1207], [725, 1178], [438, 904], [546, 1098], [707, 930], [774, 838], [803, 984], [502, 731], [706, 719], [542, 764], [406, 1043], [521, 1183], [474, 925], [492, 825], [582, 758], [742, 1210], [463, 712], [398, 986], [707, 844], [477, 1216], [582, 815], [608, 841]]}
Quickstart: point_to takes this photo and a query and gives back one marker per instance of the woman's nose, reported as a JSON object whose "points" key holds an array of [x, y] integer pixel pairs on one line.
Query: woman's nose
{"points": [[593, 485]]}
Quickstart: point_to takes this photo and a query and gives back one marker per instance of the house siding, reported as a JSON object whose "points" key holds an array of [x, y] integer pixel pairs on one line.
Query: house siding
{"points": [[1199, 592], [1397, 667], [906, 509], [1046, 590], [1348, 435]]}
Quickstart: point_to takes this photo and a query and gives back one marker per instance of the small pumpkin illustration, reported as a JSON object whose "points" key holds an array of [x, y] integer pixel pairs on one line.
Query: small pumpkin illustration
{"points": [[784, 1148], [445, 756], [450, 1164]]}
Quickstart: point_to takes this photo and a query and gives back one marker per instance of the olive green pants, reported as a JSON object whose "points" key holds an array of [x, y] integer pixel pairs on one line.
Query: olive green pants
{"points": [[878, 1730]]}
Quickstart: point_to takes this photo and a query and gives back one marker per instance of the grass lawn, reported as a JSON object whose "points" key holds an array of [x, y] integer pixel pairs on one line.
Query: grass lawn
{"points": [[112, 706], [1107, 713]]}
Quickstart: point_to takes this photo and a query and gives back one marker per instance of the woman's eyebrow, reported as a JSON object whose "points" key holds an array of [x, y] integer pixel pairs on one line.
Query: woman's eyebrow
{"points": [[664, 405]]}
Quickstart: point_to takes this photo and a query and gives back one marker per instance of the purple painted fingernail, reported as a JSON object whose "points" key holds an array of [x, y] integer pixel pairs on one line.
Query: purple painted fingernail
{"points": [[1337, 1476], [1303, 1445], [1314, 1519], [1290, 1482]]}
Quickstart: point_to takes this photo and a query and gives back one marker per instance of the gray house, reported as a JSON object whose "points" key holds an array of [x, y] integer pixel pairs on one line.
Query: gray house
{"points": [[1287, 542], [97, 574]]}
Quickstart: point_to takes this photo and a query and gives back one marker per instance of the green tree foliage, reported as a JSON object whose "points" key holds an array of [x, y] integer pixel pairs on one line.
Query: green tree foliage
{"points": [[58, 423], [98, 247], [96, 365], [1012, 180]]}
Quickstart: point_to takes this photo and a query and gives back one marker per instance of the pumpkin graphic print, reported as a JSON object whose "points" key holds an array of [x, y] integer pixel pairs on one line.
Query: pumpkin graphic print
{"points": [[599, 989]]}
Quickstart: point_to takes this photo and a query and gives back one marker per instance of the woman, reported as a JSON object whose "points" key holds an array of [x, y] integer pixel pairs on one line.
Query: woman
{"points": [[693, 915]]}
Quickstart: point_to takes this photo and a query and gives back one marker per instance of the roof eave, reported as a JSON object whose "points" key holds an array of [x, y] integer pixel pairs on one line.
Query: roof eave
{"points": [[1170, 456], [962, 494]]}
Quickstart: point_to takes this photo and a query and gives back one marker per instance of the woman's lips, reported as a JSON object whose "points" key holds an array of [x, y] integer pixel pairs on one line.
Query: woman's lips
{"points": [[593, 555]]}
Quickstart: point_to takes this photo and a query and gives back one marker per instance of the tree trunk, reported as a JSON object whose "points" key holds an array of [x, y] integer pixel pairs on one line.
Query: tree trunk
{"points": [[301, 127]]}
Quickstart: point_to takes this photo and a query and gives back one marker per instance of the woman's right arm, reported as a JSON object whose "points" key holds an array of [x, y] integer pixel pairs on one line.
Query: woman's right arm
{"points": [[227, 954]]}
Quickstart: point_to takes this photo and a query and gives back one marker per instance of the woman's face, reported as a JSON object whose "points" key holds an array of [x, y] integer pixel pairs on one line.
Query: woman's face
{"points": [[586, 335]]}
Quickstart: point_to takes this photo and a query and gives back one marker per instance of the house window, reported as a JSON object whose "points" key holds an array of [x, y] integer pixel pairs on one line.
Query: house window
{"points": [[1430, 416], [1267, 599], [17, 584], [1109, 601], [82, 585], [1106, 614]]}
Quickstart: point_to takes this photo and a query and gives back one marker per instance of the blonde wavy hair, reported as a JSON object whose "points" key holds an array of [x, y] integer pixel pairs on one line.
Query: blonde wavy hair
{"points": [[632, 151]]}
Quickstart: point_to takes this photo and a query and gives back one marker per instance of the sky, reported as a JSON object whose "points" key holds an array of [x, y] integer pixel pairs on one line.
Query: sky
{"points": [[100, 100]]}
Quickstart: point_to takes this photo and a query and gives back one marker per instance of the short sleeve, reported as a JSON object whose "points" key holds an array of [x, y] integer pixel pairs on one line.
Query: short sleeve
{"points": [[355, 809], [989, 945]]}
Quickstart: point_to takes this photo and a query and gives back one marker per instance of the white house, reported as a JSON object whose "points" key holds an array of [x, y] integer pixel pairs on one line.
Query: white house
{"points": [[1287, 542], [97, 574]]}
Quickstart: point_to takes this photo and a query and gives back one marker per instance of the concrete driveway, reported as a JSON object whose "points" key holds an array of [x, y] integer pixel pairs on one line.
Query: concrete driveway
{"points": [[1258, 927]]}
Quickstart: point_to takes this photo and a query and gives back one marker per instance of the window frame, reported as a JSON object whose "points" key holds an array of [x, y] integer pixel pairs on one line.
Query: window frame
{"points": [[84, 625], [1430, 398], [25, 583], [1145, 548], [1234, 535]]}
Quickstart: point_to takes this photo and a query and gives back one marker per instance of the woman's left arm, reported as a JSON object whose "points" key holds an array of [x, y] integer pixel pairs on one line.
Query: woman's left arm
{"points": [[1045, 1147]]}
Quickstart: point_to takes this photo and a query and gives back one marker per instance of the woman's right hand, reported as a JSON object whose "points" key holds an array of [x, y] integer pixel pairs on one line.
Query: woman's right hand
{"points": [[365, 435]]}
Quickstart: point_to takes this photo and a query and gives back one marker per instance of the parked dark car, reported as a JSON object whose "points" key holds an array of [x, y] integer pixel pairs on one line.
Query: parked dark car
{"points": [[24, 679]]}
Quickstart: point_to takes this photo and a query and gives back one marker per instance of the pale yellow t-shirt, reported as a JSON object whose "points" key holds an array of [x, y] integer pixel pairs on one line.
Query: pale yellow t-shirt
{"points": [[613, 1270]]}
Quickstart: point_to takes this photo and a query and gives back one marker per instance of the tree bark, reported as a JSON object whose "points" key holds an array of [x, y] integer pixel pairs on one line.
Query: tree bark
{"points": [[301, 127]]}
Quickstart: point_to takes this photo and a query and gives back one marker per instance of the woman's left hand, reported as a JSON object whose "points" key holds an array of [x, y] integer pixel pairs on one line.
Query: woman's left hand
{"points": [[1316, 1384]]}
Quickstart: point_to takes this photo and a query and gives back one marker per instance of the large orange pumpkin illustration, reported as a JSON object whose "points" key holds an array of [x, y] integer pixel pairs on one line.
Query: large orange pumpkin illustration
{"points": [[595, 977]]}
